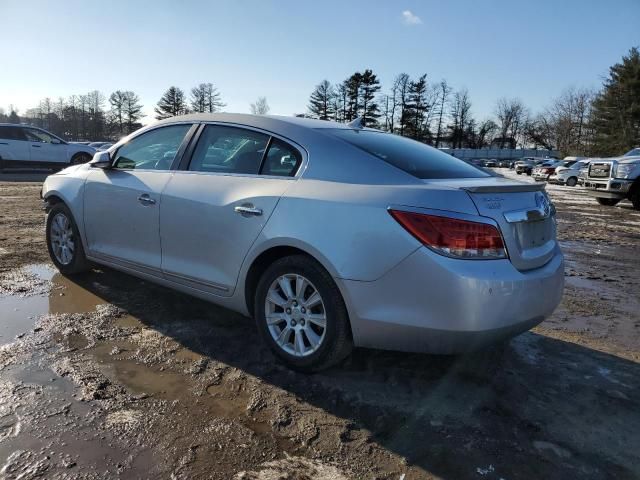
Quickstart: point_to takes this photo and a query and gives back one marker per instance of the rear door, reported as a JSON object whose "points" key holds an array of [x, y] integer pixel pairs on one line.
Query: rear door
{"points": [[213, 210], [44, 147], [122, 204], [13, 145]]}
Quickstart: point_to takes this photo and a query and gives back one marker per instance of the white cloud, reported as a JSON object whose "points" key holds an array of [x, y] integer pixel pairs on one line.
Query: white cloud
{"points": [[410, 18]]}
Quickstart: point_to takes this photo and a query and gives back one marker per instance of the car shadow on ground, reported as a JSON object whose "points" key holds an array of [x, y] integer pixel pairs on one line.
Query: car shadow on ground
{"points": [[534, 407]]}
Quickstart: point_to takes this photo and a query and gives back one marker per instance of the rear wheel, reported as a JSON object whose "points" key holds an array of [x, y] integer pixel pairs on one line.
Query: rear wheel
{"points": [[608, 202], [301, 315], [571, 181], [63, 241]]}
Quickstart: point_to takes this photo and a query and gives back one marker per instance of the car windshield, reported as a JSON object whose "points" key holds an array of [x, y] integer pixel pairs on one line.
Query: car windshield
{"points": [[412, 157], [633, 153]]}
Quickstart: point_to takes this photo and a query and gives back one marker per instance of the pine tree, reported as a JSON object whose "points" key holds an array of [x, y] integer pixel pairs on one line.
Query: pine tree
{"points": [[616, 110], [206, 98], [171, 104], [352, 90], [132, 110], [369, 87], [117, 100], [416, 110], [322, 101]]}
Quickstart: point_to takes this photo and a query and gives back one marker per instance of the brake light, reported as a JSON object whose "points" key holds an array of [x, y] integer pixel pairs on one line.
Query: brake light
{"points": [[452, 236], [549, 170]]}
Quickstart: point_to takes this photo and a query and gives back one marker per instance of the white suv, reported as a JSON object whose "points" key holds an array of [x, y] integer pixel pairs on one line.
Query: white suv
{"points": [[26, 146]]}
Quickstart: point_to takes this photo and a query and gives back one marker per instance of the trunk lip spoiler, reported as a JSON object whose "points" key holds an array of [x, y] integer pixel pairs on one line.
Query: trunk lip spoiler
{"points": [[525, 187]]}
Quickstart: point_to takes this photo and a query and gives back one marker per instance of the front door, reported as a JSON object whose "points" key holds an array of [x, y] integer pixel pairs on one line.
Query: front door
{"points": [[212, 213], [122, 204], [45, 148]]}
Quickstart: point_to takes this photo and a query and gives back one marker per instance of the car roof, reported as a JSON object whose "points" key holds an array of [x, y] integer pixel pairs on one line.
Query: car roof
{"points": [[275, 121]]}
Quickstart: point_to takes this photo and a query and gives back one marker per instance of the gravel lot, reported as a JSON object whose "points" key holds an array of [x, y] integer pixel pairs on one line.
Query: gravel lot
{"points": [[107, 376]]}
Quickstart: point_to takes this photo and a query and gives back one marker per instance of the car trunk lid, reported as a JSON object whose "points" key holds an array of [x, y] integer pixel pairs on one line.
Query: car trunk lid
{"points": [[522, 211]]}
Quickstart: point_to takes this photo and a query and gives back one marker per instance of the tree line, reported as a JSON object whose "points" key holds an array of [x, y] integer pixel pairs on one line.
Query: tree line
{"points": [[578, 122], [84, 116]]}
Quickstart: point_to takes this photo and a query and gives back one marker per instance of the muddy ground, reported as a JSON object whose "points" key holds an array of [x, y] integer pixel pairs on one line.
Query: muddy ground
{"points": [[107, 376]]}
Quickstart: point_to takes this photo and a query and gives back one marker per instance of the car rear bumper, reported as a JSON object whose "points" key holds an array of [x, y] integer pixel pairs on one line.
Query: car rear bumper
{"points": [[434, 304]]}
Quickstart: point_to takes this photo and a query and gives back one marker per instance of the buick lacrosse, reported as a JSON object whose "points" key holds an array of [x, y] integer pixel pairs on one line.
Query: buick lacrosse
{"points": [[329, 235]]}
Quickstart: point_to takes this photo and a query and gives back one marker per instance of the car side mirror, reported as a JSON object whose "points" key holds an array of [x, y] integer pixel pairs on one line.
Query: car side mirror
{"points": [[55, 141], [101, 160]]}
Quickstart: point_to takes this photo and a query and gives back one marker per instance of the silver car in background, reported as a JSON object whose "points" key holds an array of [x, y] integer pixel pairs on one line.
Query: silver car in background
{"points": [[329, 235]]}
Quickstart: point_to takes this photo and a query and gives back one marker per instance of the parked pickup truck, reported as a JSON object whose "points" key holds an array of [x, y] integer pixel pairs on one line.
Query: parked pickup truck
{"points": [[611, 180]]}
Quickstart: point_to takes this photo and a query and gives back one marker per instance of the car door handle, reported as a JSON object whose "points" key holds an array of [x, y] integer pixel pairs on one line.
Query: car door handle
{"points": [[146, 200], [247, 210], [36, 146]]}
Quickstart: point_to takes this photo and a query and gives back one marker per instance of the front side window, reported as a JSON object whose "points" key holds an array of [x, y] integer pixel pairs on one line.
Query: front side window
{"points": [[282, 159], [154, 150], [224, 149], [413, 157], [34, 135]]}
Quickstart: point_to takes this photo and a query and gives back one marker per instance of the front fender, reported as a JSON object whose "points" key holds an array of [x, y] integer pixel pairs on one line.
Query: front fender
{"points": [[68, 190]]}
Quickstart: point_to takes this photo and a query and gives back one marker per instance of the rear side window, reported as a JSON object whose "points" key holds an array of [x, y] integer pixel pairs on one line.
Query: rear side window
{"points": [[11, 133], [413, 157], [282, 159], [229, 150]]}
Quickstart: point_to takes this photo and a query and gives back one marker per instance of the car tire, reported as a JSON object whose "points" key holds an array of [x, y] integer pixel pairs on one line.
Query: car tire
{"points": [[635, 197], [288, 328], [571, 181], [63, 241], [519, 173], [608, 202], [80, 158]]}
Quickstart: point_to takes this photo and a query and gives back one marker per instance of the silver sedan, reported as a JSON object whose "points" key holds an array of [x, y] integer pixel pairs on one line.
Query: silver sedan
{"points": [[329, 235]]}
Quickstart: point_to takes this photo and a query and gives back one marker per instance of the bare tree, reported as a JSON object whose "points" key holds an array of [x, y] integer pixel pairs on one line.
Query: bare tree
{"points": [[260, 107], [401, 93], [444, 91], [512, 118], [460, 117]]}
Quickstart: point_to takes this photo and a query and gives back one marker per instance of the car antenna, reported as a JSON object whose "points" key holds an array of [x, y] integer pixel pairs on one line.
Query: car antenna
{"points": [[357, 123]]}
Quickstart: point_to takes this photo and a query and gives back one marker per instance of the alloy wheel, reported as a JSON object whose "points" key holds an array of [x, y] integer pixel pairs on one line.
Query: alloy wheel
{"points": [[62, 241], [295, 314]]}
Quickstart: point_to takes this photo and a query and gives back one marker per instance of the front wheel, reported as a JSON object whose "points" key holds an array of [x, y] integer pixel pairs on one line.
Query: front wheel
{"points": [[571, 181], [301, 315], [63, 241], [608, 202]]}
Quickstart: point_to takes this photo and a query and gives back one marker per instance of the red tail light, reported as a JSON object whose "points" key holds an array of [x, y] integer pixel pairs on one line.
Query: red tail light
{"points": [[452, 236], [549, 170]]}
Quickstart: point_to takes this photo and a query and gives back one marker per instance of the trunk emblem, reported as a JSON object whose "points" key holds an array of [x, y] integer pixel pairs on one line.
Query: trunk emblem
{"points": [[542, 202]]}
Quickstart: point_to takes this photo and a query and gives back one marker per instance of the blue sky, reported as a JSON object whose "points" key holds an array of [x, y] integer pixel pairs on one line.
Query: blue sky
{"points": [[282, 49]]}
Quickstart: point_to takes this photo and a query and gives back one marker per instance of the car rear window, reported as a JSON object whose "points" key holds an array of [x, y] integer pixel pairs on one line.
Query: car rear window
{"points": [[413, 157]]}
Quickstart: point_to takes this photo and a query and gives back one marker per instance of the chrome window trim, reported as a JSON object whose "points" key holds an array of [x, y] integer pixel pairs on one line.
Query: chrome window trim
{"points": [[176, 160], [303, 153]]}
